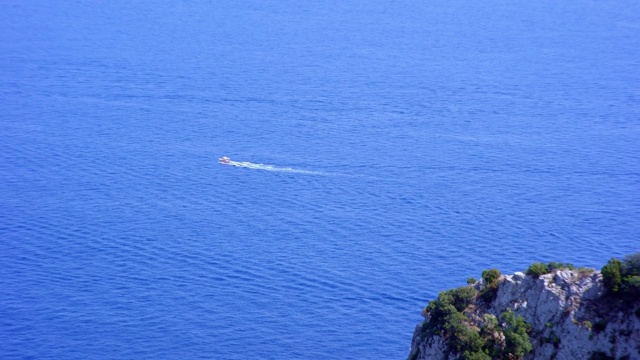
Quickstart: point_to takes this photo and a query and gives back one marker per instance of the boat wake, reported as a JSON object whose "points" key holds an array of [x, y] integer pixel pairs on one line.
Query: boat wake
{"points": [[266, 167]]}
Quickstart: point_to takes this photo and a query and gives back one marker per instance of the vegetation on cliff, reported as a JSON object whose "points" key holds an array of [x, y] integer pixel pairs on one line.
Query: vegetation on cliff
{"points": [[622, 278], [537, 269], [487, 319], [452, 316]]}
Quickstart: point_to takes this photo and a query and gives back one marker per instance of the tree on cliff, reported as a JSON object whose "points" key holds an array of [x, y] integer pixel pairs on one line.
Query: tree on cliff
{"points": [[516, 335], [622, 278], [611, 275]]}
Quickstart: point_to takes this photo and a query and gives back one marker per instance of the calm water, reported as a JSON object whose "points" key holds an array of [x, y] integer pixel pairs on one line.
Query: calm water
{"points": [[405, 146]]}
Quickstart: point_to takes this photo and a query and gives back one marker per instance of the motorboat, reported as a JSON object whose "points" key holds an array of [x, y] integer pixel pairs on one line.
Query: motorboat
{"points": [[224, 160]]}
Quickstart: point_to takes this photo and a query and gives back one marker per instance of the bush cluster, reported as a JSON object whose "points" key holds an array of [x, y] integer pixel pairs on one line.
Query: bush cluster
{"points": [[507, 339], [491, 279], [516, 331], [536, 269], [622, 278], [447, 305]]}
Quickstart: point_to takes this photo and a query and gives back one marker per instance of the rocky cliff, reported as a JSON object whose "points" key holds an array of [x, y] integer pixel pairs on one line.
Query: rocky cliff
{"points": [[568, 315]]}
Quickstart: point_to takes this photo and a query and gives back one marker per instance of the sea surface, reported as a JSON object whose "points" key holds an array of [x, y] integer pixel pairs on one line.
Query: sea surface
{"points": [[385, 151]]}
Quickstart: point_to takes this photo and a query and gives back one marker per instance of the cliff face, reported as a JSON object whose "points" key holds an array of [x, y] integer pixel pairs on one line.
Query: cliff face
{"points": [[569, 316]]}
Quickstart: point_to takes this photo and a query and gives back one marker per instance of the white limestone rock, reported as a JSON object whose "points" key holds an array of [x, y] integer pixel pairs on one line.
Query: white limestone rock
{"points": [[560, 309]]}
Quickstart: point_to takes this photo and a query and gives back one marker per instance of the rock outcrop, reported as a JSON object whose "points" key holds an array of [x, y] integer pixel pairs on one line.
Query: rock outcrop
{"points": [[568, 312]]}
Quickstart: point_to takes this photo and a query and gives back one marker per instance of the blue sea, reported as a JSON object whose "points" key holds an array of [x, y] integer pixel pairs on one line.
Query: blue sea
{"points": [[385, 151]]}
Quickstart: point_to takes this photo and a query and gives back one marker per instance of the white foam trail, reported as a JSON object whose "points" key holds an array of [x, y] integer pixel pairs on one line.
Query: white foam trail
{"points": [[250, 165]]}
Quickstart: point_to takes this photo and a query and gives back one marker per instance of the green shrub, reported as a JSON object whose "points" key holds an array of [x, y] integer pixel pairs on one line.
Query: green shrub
{"points": [[463, 296], [516, 335], [438, 310], [447, 318], [491, 277], [552, 265], [468, 340], [491, 333], [631, 285], [611, 276], [537, 269], [471, 280], [447, 304], [622, 278], [453, 321], [463, 338]]}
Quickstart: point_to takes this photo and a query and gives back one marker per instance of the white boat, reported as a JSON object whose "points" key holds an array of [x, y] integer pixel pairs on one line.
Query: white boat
{"points": [[224, 160]]}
